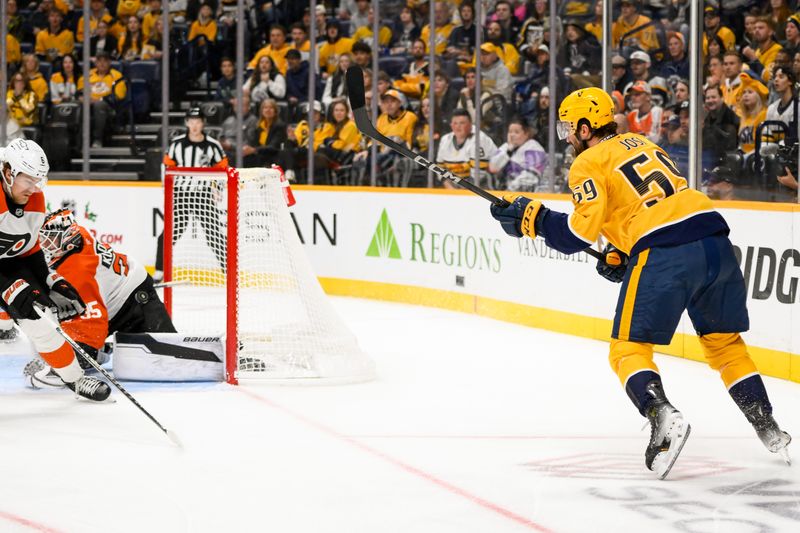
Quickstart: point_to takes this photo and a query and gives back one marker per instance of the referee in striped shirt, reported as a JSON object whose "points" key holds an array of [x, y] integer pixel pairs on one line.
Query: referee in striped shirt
{"points": [[194, 196]]}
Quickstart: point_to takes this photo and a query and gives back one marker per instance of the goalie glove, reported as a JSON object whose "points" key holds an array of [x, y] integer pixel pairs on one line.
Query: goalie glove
{"points": [[20, 298], [519, 216], [613, 265], [68, 302]]}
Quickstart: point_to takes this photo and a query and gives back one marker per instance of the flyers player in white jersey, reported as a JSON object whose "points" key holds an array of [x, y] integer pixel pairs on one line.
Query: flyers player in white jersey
{"points": [[118, 291], [25, 280]]}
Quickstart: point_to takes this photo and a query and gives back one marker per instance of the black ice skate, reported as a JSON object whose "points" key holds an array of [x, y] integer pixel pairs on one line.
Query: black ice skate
{"points": [[775, 440], [8, 335], [90, 388], [668, 432]]}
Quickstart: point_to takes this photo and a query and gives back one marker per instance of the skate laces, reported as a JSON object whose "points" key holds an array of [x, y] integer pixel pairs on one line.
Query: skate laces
{"points": [[88, 385]]}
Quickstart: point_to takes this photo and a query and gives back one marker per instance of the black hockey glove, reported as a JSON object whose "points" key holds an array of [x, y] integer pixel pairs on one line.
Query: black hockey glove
{"points": [[20, 297], [613, 265], [519, 216], [67, 300]]}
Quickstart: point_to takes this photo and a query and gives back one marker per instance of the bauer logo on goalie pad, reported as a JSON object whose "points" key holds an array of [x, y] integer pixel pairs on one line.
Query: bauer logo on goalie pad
{"points": [[168, 357], [11, 244]]}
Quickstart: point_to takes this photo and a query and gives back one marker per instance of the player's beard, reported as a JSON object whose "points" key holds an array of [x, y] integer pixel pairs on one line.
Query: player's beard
{"points": [[578, 145]]}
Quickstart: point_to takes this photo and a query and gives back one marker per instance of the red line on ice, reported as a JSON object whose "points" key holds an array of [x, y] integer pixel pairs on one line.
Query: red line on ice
{"points": [[27, 523], [400, 464]]}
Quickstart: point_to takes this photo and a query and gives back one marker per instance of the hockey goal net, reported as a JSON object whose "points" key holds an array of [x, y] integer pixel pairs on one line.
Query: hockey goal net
{"points": [[237, 269]]}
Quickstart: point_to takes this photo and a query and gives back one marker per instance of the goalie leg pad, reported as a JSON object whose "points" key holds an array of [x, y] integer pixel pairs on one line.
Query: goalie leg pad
{"points": [[168, 357]]}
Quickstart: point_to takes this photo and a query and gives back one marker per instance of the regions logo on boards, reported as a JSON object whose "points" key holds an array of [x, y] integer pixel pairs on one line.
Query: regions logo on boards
{"points": [[436, 247], [383, 243]]}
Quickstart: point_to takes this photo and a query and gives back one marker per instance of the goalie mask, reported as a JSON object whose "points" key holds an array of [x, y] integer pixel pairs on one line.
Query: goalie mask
{"points": [[60, 235], [24, 156]]}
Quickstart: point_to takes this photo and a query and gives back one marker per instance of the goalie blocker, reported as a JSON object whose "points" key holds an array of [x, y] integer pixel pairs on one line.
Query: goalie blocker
{"points": [[168, 357]]}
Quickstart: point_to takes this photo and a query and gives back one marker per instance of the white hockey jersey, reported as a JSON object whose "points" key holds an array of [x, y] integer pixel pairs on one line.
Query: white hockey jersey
{"points": [[461, 159], [522, 167], [20, 225], [104, 279]]}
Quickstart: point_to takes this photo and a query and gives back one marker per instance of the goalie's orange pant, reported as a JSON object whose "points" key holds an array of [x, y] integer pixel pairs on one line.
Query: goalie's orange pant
{"points": [[725, 352]]}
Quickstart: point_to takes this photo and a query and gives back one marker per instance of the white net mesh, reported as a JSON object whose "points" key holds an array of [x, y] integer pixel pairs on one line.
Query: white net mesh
{"points": [[287, 329]]}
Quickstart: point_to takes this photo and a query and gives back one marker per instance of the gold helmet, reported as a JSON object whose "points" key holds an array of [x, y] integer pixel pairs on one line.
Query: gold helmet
{"points": [[592, 104]]}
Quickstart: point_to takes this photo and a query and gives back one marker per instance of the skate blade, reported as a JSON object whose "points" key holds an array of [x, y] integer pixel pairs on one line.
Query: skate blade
{"points": [[784, 453], [673, 456]]}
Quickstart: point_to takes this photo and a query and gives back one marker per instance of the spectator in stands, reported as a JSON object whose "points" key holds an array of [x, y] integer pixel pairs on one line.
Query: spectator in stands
{"points": [[269, 136], [445, 98], [64, 83], [295, 156], [30, 67], [541, 117], [630, 19], [466, 96], [748, 37], [784, 108], [595, 27], [456, 151], [751, 111], [681, 92], [340, 136], [714, 72], [731, 83], [103, 41], [414, 78], [39, 19], [394, 122], [321, 20], [640, 66], [55, 41], [441, 18], [226, 85], [714, 28], [404, 33], [519, 163], [332, 48], [204, 29], [796, 65], [152, 13], [715, 46], [364, 33], [509, 24], [336, 85], [384, 83], [132, 42], [507, 52], [97, 12], [228, 137], [461, 43], [579, 51], [154, 45], [720, 127], [362, 54], [620, 77], [677, 62], [421, 135], [266, 82], [762, 57], [296, 79], [108, 88], [21, 101], [276, 49], [719, 184], [359, 16], [676, 143], [792, 42], [779, 13], [645, 118], [13, 52], [495, 77], [788, 180], [128, 8], [300, 41], [14, 21]]}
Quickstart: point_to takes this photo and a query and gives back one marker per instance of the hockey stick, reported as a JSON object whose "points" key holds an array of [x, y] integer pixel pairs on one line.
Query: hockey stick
{"points": [[41, 311], [358, 103], [164, 284]]}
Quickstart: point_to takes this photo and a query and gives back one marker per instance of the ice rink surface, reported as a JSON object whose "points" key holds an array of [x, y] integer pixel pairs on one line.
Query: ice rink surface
{"points": [[473, 425]]}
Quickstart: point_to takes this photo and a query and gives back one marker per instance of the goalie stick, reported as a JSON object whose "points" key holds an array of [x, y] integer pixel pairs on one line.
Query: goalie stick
{"points": [[355, 92], [41, 311]]}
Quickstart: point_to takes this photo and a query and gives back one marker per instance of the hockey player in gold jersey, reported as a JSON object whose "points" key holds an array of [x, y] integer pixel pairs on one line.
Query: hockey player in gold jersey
{"points": [[669, 248]]}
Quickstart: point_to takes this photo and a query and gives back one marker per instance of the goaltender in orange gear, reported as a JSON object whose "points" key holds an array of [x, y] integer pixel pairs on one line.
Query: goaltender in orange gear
{"points": [[670, 250]]}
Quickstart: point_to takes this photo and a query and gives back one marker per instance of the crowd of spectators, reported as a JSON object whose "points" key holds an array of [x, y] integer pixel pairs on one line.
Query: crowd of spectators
{"points": [[751, 65]]}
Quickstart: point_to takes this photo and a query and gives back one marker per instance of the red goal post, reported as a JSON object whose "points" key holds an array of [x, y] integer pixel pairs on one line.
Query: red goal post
{"points": [[238, 270]]}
